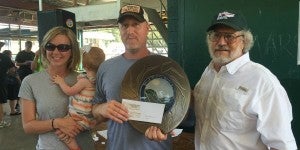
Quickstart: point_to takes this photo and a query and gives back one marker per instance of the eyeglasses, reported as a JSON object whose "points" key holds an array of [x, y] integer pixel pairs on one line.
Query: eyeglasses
{"points": [[60, 47], [228, 37]]}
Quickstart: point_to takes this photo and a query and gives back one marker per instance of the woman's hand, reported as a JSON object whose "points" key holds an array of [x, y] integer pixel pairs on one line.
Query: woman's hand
{"points": [[68, 126], [154, 133], [62, 136]]}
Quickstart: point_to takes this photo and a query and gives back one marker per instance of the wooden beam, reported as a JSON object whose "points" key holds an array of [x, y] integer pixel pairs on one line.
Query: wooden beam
{"points": [[75, 3], [34, 6]]}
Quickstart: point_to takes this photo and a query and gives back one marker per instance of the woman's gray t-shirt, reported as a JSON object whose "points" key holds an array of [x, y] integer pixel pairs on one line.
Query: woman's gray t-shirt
{"points": [[50, 103]]}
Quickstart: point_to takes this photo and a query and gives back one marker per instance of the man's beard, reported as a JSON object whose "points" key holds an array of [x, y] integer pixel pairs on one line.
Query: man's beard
{"points": [[220, 59]]}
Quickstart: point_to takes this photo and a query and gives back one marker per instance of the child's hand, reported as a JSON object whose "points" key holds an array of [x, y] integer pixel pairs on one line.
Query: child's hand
{"points": [[57, 79]]}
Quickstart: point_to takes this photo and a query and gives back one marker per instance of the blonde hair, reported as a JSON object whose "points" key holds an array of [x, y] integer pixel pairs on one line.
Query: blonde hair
{"points": [[93, 58], [74, 60]]}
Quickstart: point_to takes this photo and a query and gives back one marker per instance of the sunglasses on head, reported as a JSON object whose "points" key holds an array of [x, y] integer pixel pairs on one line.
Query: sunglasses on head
{"points": [[60, 47]]}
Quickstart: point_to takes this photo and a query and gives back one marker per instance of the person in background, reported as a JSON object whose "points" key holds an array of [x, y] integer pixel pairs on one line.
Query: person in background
{"points": [[239, 104], [44, 105], [1, 45], [23, 62], [5, 64], [36, 64], [81, 93], [13, 83], [134, 28], [24, 59]]}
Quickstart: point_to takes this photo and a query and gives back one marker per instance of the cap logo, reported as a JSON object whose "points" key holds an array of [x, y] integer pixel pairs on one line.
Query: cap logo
{"points": [[131, 8], [225, 15]]}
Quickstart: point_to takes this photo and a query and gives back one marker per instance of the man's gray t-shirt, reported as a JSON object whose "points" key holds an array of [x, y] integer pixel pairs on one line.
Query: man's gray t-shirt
{"points": [[50, 103], [108, 85]]}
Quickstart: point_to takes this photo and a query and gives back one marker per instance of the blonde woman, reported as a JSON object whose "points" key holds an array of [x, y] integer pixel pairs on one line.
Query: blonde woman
{"points": [[44, 104]]}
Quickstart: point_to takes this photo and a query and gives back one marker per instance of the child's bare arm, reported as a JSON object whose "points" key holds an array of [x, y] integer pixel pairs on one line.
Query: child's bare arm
{"points": [[76, 88]]}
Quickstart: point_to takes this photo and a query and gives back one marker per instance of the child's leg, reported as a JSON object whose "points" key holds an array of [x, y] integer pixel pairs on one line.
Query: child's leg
{"points": [[72, 144]]}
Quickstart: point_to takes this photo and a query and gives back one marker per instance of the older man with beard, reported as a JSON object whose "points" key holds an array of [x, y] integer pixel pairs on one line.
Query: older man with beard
{"points": [[239, 104]]}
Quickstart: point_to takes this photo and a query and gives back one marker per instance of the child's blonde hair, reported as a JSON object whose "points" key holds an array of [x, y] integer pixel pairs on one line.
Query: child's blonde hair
{"points": [[93, 58]]}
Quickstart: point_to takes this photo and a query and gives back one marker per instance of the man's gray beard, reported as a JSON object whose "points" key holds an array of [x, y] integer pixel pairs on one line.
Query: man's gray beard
{"points": [[220, 60]]}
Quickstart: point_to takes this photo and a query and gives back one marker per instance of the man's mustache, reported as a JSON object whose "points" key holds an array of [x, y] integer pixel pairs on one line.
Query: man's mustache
{"points": [[222, 48]]}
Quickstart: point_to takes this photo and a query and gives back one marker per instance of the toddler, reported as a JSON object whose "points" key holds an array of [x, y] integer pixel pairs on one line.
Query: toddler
{"points": [[81, 93]]}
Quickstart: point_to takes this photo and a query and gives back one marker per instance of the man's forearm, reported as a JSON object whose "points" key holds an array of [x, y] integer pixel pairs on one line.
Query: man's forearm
{"points": [[97, 108], [22, 64]]}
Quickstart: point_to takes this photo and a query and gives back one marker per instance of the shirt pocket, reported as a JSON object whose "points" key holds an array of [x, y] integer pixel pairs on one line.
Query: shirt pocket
{"points": [[230, 115]]}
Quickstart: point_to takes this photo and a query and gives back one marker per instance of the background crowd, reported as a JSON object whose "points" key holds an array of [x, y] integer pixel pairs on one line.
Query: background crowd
{"points": [[12, 76]]}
